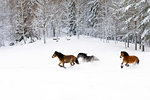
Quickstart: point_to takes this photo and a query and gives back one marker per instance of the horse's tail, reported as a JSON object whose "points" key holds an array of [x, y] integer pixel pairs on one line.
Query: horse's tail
{"points": [[138, 61], [77, 61], [96, 59]]}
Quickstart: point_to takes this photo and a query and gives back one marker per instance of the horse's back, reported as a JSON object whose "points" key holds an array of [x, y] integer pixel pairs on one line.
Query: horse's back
{"points": [[68, 58], [133, 59]]}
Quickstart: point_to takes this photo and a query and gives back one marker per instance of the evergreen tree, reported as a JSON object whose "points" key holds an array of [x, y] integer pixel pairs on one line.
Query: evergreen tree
{"points": [[92, 14], [144, 25], [72, 18], [131, 15]]}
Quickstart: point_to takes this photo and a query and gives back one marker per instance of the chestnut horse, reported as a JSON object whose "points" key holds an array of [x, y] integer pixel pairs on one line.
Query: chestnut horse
{"points": [[65, 59], [128, 59]]}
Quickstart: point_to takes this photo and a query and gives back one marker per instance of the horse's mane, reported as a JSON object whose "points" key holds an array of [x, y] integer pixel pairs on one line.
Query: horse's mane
{"points": [[82, 55], [60, 55], [125, 53]]}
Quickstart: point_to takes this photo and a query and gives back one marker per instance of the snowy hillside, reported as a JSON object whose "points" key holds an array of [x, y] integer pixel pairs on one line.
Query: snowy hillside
{"points": [[28, 72]]}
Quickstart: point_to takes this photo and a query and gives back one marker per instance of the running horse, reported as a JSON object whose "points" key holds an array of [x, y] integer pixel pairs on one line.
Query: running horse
{"points": [[65, 59], [87, 58], [128, 59]]}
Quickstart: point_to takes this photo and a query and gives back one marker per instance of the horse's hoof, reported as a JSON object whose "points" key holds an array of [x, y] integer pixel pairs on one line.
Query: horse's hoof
{"points": [[64, 67], [60, 65], [127, 65]]}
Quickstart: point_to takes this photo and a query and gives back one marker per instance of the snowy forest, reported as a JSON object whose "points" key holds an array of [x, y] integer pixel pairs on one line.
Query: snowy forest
{"points": [[74, 50], [27, 21]]}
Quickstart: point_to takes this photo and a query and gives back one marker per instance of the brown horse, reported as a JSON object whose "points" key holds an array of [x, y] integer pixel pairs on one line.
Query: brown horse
{"points": [[65, 59], [128, 59]]}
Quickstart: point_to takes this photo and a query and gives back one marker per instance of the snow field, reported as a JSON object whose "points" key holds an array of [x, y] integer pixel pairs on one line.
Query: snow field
{"points": [[28, 72]]}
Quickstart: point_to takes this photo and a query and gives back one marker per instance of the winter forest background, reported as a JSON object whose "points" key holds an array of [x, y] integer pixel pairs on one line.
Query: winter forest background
{"points": [[27, 21]]}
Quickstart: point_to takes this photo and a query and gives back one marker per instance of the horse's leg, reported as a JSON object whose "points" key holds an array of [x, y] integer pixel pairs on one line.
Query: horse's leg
{"points": [[122, 65], [127, 64], [60, 64], [70, 63], [63, 65], [73, 63]]}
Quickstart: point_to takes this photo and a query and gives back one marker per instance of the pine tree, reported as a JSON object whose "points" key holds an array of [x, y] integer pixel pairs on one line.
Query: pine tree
{"points": [[144, 25], [92, 14], [72, 18], [131, 17]]}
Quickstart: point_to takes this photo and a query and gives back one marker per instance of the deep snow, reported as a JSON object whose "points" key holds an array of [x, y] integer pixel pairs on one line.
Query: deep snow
{"points": [[28, 72]]}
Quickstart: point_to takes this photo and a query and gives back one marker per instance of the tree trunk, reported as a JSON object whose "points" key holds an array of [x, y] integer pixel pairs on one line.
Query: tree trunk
{"points": [[22, 20], [115, 38], [135, 26], [44, 36], [140, 41], [135, 23], [54, 33], [143, 47], [128, 41], [135, 41]]}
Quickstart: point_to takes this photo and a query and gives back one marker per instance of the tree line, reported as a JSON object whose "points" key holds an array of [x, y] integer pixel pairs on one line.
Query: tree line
{"points": [[27, 21]]}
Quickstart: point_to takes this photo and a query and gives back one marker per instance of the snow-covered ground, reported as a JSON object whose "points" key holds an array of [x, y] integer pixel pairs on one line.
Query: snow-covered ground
{"points": [[28, 72]]}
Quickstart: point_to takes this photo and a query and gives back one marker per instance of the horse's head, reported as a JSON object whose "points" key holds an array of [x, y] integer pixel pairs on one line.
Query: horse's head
{"points": [[54, 55], [123, 54]]}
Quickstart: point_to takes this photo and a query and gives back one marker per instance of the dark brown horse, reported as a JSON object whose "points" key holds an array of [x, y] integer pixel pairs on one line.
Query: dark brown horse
{"points": [[65, 59], [87, 58], [128, 59]]}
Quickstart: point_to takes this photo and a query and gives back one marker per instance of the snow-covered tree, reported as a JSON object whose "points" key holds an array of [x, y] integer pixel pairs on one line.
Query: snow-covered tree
{"points": [[92, 14], [42, 17], [144, 25], [80, 15], [72, 18], [6, 33], [131, 13], [126, 13], [24, 17], [108, 20], [28, 20]]}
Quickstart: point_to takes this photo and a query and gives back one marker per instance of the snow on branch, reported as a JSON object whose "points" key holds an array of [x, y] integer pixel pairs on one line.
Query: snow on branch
{"points": [[146, 32], [128, 7], [148, 11], [140, 2], [92, 2], [146, 20]]}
